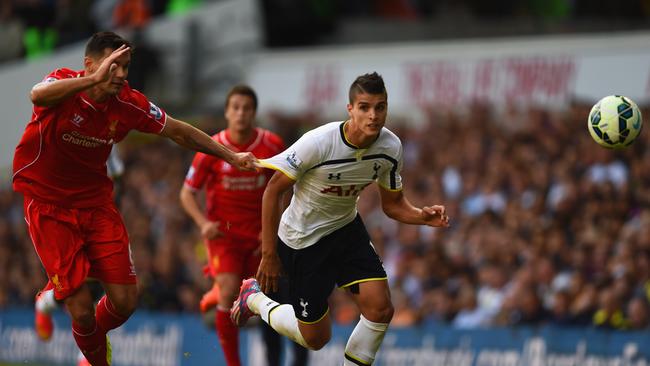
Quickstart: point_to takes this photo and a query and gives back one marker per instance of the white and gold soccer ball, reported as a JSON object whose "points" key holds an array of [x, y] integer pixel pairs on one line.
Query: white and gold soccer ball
{"points": [[615, 122]]}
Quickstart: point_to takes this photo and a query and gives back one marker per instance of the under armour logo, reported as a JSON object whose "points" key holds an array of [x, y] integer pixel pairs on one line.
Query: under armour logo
{"points": [[304, 304], [375, 167], [332, 176]]}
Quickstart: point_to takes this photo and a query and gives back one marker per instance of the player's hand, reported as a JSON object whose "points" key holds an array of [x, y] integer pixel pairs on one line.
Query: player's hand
{"points": [[245, 161], [269, 272], [107, 68], [435, 216], [210, 230]]}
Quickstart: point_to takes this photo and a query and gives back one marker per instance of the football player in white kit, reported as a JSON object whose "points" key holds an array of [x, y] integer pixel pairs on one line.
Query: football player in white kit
{"points": [[320, 241]]}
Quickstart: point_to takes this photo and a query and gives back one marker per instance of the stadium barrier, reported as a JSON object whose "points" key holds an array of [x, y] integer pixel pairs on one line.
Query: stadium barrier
{"points": [[159, 339]]}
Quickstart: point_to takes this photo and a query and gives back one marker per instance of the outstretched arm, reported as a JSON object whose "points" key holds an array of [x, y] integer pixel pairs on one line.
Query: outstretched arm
{"points": [[397, 207], [270, 267], [47, 94], [194, 139]]}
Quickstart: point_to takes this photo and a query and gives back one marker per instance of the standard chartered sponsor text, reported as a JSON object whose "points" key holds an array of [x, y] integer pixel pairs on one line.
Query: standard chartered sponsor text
{"points": [[76, 138]]}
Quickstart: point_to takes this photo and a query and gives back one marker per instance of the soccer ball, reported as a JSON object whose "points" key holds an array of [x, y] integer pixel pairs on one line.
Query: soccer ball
{"points": [[614, 122]]}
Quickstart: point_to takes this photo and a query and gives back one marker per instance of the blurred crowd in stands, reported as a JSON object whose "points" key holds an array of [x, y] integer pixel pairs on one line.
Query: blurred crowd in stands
{"points": [[546, 226], [33, 28]]}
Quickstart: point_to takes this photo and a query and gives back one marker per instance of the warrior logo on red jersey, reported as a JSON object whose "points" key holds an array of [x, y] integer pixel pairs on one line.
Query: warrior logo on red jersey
{"points": [[76, 120]]}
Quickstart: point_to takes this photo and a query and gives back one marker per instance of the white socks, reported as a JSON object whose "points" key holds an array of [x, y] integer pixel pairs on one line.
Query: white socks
{"points": [[279, 316], [46, 303], [364, 342]]}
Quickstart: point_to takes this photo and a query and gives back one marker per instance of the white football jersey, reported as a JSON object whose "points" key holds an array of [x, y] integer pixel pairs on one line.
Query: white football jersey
{"points": [[330, 172]]}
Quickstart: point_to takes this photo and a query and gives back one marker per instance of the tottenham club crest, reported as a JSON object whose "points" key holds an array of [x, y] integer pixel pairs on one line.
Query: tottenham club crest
{"points": [[375, 167], [304, 304]]}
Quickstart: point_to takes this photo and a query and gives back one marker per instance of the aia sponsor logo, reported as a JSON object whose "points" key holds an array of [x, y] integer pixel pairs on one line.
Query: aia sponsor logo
{"points": [[344, 191]]}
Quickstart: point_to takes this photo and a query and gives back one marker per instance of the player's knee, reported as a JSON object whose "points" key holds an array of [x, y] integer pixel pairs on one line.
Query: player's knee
{"points": [[125, 304], [382, 313], [126, 307], [84, 317], [317, 341]]}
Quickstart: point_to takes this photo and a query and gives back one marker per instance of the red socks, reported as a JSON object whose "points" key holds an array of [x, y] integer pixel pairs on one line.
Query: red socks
{"points": [[92, 343], [228, 334], [107, 317]]}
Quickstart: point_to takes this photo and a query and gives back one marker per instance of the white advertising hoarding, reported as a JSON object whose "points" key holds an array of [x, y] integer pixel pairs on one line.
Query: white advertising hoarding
{"points": [[542, 71]]}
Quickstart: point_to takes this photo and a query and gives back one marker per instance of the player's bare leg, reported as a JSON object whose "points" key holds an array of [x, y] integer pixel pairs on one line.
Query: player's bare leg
{"points": [[123, 300], [317, 334], [90, 338], [90, 325], [373, 300], [227, 331]]}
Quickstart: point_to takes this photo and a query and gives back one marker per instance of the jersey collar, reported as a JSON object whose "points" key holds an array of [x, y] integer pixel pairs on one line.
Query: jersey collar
{"points": [[345, 138], [97, 106], [243, 147]]}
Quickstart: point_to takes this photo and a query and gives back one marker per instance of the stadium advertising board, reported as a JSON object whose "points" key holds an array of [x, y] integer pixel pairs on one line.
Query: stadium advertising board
{"points": [[544, 71], [149, 339]]}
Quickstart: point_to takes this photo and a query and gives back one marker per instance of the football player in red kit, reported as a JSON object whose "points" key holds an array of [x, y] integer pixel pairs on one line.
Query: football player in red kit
{"points": [[60, 168], [232, 222]]}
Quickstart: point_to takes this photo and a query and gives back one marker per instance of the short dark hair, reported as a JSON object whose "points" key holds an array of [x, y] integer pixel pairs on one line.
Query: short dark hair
{"points": [[367, 84], [103, 40], [242, 89]]}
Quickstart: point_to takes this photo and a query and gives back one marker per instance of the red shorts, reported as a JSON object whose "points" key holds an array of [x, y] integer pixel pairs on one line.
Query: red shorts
{"points": [[241, 257], [76, 243]]}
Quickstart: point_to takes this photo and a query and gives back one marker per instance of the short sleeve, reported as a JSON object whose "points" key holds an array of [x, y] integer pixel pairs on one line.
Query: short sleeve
{"points": [[197, 175], [149, 117], [391, 178], [58, 74], [298, 158]]}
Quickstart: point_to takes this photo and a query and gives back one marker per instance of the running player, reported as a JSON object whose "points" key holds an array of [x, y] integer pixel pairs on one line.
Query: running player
{"points": [[321, 241], [60, 168], [45, 303], [232, 223]]}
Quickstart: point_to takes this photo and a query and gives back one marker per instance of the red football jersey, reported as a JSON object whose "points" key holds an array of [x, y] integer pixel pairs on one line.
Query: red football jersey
{"points": [[234, 198], [61, 158]]}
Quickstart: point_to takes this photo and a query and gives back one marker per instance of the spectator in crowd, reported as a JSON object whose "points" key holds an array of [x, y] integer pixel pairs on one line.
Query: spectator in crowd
{"points": [[637, 314], [11, 32]]}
